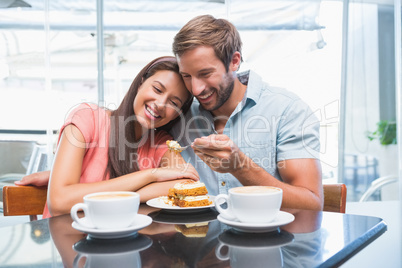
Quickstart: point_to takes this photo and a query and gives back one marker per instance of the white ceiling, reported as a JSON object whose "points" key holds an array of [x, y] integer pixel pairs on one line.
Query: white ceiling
{"points": [[124, 15]]}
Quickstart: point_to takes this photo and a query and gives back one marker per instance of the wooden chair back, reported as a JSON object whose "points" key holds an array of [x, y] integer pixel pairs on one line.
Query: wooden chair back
{"points": [[335, 197], [24, 200]]}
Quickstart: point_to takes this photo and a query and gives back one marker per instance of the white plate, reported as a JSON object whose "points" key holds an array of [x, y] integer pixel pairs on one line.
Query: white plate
{"points": [[141, 221], [283, 218], [159, 203]]}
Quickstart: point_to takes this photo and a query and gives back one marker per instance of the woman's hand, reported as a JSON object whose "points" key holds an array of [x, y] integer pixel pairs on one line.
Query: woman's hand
{"points": [[38, 179], [178, 171]]}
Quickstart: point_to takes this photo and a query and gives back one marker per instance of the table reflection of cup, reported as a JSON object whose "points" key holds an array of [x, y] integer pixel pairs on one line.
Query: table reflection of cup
{"points": [[123, 252], [252, 250]]}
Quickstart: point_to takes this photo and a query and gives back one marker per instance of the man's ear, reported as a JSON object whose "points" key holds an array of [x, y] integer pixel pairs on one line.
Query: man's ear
{"points": [[236, 60]]}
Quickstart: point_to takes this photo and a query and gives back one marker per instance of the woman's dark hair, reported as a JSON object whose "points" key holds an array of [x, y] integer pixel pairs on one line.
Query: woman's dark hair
{"points": [[122, 153]]}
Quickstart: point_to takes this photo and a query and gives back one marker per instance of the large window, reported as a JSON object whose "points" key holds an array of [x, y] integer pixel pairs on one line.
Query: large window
{"points": [[48, 60], [49, 63], [369, 100]]}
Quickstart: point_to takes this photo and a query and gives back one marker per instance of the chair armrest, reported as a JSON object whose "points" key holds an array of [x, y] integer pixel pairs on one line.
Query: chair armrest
{"points": [[23, 200], [335, 197]]}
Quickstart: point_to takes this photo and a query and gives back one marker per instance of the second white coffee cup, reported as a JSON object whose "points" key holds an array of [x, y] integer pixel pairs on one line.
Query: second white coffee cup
{"points": [[250, 204], [107, 210]]}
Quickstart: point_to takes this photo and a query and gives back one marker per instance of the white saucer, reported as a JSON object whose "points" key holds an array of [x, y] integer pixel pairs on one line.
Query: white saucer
{"points": [[160, 202], [141, 221], [283, 218]]}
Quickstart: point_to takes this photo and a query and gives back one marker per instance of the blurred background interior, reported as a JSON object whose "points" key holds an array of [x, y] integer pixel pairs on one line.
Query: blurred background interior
{"points": [[339, 56]]}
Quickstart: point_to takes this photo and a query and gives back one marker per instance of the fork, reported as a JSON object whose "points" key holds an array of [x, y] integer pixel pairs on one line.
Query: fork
{"points": [[181, 149]]}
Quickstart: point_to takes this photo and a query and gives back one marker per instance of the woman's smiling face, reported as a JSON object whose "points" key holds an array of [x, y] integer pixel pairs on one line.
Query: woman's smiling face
{"points": [[159, 99]]}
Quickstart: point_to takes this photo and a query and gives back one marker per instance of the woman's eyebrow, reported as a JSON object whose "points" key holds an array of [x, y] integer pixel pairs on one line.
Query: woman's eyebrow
{"points": [[156, 81]]}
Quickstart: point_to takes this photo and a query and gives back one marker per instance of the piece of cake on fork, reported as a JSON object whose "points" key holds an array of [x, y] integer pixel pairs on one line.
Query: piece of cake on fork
{"points": [[174, 146]]}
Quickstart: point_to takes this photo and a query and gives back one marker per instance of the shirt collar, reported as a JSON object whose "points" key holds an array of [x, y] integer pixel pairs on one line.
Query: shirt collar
{"points": [[254, 85]]}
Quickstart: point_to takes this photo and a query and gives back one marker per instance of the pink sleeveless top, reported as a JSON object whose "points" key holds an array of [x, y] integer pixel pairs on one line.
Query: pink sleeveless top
{"points": [[94, 124]]}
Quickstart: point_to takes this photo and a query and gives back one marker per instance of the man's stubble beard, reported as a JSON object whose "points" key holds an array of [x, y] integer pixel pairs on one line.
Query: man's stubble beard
{"points": [[223, 94]]}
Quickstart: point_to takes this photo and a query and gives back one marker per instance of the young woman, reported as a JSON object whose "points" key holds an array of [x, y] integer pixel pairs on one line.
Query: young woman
{"points": [[125, 149]]}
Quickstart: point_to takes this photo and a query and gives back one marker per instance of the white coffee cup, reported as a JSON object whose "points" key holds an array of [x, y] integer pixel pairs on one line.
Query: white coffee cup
{"points": [[250, 204], [107, 210]]}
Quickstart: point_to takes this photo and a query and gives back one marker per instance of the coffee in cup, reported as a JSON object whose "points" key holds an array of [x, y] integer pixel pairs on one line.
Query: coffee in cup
{"points": [[250, 204], [107, 210]]}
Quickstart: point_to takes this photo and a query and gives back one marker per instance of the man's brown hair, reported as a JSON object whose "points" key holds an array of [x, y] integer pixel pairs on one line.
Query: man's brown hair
{"points": [[206, 30]]}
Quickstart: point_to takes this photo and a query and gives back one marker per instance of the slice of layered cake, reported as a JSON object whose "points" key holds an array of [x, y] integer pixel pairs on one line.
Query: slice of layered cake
{"points": [[189, 194]]}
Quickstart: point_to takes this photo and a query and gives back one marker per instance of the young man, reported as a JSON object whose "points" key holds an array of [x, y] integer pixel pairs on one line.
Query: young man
{"points": [[242, 131]]}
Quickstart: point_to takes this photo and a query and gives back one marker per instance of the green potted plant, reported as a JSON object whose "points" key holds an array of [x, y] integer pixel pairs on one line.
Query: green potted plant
{"points": [[385, 133], [387, 155]]}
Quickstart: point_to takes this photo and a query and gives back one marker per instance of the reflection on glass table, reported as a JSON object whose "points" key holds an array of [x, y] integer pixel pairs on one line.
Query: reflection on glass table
{"points": [[313, 239]]}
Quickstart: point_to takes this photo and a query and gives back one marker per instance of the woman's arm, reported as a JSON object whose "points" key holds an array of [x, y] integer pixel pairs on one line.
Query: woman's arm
{"points": [[65, 188]]}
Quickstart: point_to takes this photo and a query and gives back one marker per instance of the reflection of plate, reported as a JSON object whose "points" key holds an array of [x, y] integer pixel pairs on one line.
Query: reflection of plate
{"points": [[260, 240], [141, 221], [283, 218], [101, 246], [163, 217], [160, 203]]}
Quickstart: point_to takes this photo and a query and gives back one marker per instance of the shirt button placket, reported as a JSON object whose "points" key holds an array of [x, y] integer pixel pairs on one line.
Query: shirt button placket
{"points": [[223, 183]]}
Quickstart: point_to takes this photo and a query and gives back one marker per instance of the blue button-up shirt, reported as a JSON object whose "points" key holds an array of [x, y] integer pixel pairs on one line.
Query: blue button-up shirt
{"points": [[268, 125]]}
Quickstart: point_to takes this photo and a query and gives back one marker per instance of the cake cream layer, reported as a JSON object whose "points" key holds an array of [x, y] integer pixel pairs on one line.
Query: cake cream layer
{"points": [[188, 188], [195, 198], [188, 185]]}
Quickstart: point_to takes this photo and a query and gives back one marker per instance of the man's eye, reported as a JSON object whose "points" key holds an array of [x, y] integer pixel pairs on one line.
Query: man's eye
{"points": [[185, 76], [174, 104]]}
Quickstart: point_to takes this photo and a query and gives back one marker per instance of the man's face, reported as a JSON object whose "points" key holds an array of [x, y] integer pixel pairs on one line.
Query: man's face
{"points": [[205, 77]]}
